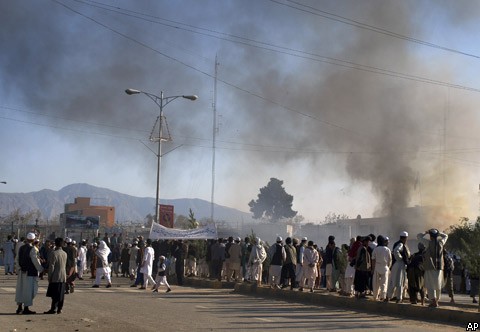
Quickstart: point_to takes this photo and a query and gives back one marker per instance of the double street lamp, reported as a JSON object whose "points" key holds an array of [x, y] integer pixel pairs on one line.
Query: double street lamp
{"points": [[161, 102]]}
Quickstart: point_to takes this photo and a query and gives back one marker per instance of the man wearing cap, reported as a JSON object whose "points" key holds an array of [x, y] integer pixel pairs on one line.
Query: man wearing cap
{"points": [[71, 264], [57, 277], [310, 271], [27, 279], [132, 264], [415, 276], [277, 256], [161, 278], [400, 259], [433, 263], [381, 262], [82, 259]]}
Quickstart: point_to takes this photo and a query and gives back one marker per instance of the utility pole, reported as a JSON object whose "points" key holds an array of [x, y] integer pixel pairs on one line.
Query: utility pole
{"points": [[215, 129]]}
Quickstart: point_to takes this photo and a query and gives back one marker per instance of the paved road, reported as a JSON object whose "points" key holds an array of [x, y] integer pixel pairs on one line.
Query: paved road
{"points": [[122, 308]]}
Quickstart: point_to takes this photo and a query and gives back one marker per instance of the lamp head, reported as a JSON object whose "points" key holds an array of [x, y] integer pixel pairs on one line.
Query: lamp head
{"points": [[192, 97], [132, 91]]}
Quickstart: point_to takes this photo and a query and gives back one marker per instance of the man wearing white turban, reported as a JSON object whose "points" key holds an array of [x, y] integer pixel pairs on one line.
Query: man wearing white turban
{"points": [[27, 280], [103, 267], [401, 258]]}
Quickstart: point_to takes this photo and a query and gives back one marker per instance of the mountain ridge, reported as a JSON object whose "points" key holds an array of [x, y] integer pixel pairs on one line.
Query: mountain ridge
{"points": [[127, 207]]}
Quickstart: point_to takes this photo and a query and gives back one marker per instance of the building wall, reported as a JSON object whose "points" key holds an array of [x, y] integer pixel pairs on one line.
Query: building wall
{"points": [[81, 206]]}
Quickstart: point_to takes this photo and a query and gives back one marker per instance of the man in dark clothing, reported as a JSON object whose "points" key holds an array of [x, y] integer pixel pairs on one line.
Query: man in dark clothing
{"points": [[57, 277], [277, 258], [218, 257], [180, 253], [288, 269], [125, 260], [71, 264], [415, 272], [246, 250]]}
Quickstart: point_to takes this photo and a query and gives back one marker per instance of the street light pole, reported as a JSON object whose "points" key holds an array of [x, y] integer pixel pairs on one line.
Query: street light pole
{"points": [[161, 102]]}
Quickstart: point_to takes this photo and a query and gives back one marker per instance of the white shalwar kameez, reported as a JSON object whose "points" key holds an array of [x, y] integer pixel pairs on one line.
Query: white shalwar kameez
{"points": [[433, 278], [102, 252], [82, 261], [257, 257], [147, 266], [27, 286], [383, 259], [398, 274], [310, 271]]}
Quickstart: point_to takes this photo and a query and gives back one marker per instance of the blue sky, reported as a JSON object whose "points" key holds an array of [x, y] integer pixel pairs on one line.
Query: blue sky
{"points": [[360, 107]]}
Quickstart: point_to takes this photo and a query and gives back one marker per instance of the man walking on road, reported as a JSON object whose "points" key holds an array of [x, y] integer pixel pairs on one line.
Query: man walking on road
{"points": [[57, 277], [147, 265]]}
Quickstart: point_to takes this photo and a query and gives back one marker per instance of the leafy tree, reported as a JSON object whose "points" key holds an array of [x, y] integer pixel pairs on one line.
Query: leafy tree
{"points": [[273, 202], [464, 240]]}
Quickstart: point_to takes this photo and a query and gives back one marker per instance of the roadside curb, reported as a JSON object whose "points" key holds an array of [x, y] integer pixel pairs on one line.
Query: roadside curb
{"points": [[444, 315]]}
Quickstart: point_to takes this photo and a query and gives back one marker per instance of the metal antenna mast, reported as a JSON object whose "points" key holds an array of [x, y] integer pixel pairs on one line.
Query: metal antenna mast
{"points": [[215, 129]]}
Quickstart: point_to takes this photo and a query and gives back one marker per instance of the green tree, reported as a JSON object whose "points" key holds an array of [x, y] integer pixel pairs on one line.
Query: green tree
{"points": [[464, 240], [273, 202]]}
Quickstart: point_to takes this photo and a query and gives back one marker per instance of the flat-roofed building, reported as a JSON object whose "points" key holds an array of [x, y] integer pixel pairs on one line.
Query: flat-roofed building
{"points": [[82, 207]]}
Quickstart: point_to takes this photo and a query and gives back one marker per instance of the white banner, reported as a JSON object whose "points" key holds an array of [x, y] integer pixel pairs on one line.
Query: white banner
{"points": [[159, 232]]}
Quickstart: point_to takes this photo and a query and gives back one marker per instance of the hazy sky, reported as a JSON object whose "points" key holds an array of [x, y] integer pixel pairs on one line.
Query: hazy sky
{"points": [[360, 107]]}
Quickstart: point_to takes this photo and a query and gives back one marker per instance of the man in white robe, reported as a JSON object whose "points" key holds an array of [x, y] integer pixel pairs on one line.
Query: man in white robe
{"points": [[82, 259], [9, 255], [103, 266], [257, 257], [398, 275], [381, 262], [310, 271], [147, 265]]}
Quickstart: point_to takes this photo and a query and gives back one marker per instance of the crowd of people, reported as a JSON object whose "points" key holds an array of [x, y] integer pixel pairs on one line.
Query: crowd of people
{"points": [[363, 268], [367, 266]]}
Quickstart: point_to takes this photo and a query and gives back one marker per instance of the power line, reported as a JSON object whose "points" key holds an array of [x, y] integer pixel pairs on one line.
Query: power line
{"points": [[357, 24], [259, 147], [273, 48], [69, 119]]}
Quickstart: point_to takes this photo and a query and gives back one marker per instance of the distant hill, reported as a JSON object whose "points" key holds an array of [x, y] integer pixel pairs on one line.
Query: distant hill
{"points": [[127, 208]]}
